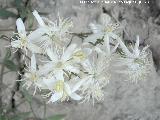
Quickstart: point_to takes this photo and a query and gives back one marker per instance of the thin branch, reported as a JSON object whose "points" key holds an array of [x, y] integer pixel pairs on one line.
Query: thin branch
{"points": [[44, 114]]}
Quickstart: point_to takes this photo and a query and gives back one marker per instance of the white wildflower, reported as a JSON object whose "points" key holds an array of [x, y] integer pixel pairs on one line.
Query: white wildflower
{"points": [[60, 63], [75, 72], [103, 30], [32, 77], [22, 40], [137, 62], [54, 32], [96, 78], [60, 90]]}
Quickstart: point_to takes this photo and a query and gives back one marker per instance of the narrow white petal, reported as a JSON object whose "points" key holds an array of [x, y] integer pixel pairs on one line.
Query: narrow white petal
{"points": [[123, 46], [137, 42], [40, 84], [38, 18], [87, 65], [49, 82], [36, 35], [87, 51], [98, 50], [107, 45], [20, 27], [34, 48], [136, 50], [94, 28], [115, 48], [69, 51], [67, 88], [75, 96], [105, 19], [72, 69], [33, 63], [55, 97], [100, 62], [78, 85], [59, 75], [145, 48], [52, 55], [45, 68]]}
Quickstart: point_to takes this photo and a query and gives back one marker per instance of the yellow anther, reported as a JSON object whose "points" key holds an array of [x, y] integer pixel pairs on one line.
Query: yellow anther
{"points": [[108, 29], [34, 77], [59, 86], [59, 65], [80, 55]]}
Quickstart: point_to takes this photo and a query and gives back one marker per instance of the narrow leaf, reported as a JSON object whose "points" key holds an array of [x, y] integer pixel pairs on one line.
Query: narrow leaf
{"points": [[5, 13], [8, 54], [30, 19], [57, 117], [10, 65], [18, 4]]}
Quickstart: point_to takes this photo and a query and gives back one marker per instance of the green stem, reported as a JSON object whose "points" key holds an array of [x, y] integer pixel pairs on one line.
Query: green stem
{"points": [[1, 81], [44, 115], [32, 111]]}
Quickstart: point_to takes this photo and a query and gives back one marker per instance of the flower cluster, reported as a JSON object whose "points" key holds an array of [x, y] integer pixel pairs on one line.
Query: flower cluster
{"points": [[71, 71]]}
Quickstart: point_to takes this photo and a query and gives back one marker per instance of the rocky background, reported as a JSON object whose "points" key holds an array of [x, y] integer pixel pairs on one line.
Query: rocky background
{"points": [[123, 100]]}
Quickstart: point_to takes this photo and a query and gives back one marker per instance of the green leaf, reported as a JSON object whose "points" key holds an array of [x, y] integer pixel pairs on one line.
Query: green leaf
{"points": [[18, 4], [30, 19], [10, 65], [8, 54], [23, 13], [2, 117], [5, 13], [57, 117]]}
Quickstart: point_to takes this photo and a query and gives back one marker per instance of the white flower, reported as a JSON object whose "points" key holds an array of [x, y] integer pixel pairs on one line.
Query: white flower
{"points": [[103, 30], [96, 78], [60, 62], [137, 62], [23, 41], [55, 33], [61, 90], [32, 77]]}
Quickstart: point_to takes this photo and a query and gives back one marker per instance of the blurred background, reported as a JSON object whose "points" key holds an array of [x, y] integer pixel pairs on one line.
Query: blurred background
{"points": [[123, 101]]}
